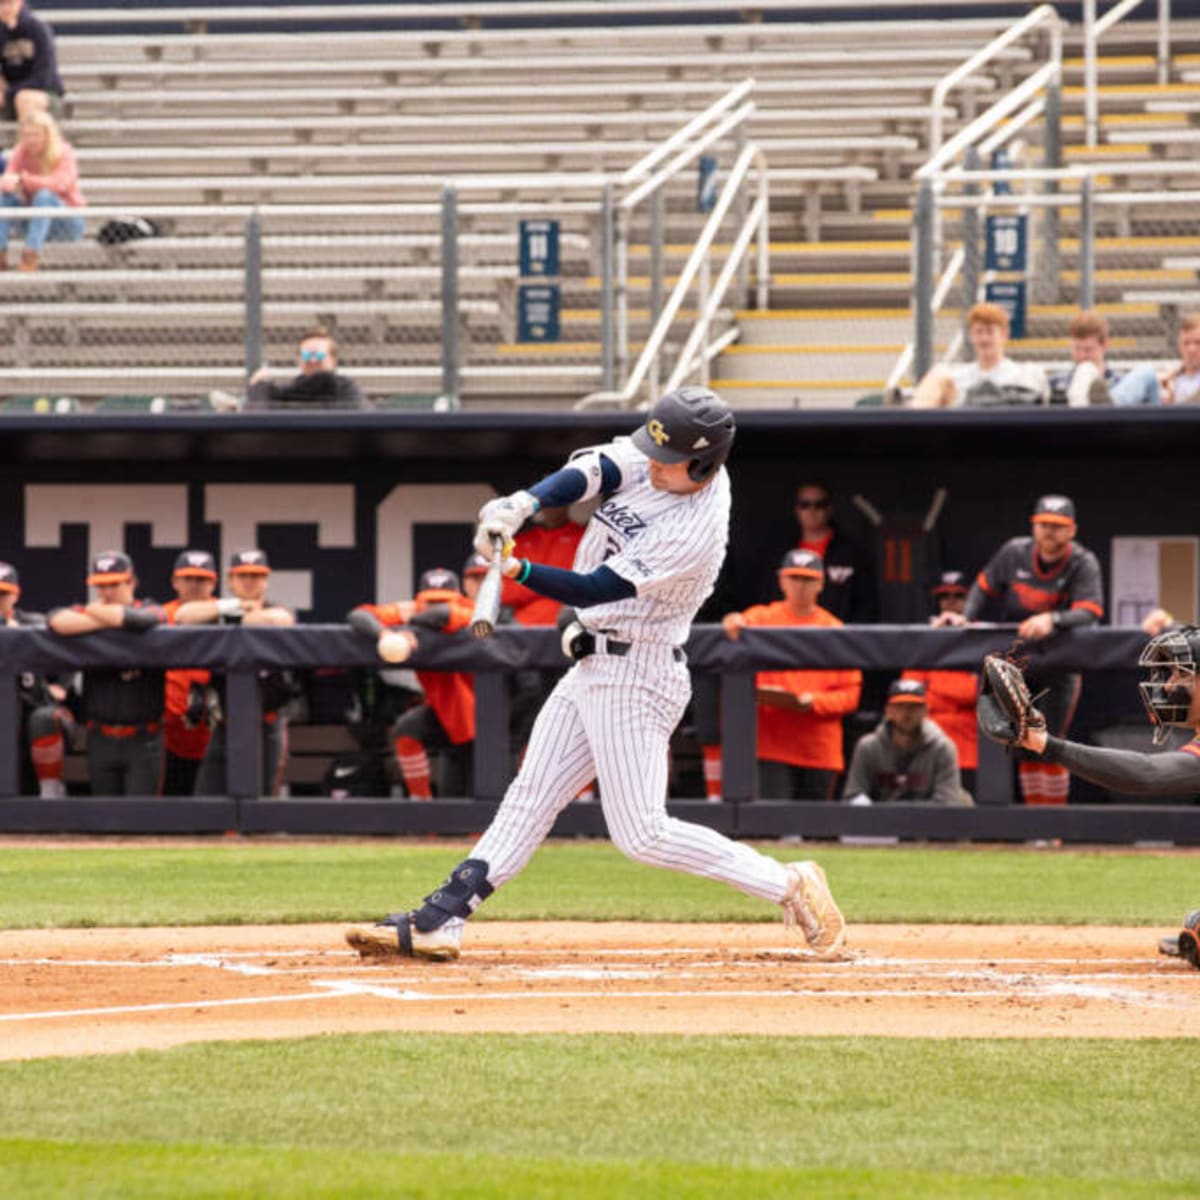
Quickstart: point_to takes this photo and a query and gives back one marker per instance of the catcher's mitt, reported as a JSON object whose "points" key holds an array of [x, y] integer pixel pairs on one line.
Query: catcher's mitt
{"points": [[1006, 710], [1186, 943]]}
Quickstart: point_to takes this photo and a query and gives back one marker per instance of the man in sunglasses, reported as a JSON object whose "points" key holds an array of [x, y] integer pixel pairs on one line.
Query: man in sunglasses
{"points": [[849, 591], [320, 385]]}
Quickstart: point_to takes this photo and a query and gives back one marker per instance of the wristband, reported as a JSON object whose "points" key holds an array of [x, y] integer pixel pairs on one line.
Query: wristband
{"points": [[523, 573]]}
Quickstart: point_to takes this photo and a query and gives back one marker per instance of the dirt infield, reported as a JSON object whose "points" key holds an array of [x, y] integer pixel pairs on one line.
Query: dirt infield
{"points": [[67, 992]]}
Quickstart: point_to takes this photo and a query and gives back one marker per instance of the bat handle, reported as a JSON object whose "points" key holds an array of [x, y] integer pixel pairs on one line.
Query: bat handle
{"points": [[497, 546]]}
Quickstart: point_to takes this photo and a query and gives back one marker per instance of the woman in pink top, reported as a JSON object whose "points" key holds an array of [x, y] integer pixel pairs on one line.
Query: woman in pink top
{"points": [[41, 173]]}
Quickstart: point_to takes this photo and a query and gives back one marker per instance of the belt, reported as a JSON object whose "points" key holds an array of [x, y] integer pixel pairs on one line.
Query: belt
{"points": [[124, 731], [587, 643]]}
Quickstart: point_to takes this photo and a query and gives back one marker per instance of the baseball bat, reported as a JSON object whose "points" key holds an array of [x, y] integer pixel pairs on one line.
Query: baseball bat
{"points": [[487, 600]]}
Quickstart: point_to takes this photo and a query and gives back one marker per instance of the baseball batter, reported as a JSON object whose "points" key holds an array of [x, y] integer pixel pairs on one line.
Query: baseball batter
{"points": [[647, 562]]}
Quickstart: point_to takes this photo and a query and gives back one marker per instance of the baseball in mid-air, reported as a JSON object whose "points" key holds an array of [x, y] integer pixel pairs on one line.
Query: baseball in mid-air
{"points": [[396, 646]]}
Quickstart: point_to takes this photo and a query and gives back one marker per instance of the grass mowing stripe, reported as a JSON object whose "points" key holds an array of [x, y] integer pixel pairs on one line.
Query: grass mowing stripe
{"points": [[1088, 1109], [248, 882], [67, 1170]]}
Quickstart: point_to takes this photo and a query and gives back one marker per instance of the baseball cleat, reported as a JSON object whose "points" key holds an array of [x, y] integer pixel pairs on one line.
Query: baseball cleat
{"points": [[809, 905], [395, 937]]}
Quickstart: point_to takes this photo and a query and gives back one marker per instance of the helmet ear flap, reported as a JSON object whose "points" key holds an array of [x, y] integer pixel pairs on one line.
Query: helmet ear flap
{"points": [[701, 470]]}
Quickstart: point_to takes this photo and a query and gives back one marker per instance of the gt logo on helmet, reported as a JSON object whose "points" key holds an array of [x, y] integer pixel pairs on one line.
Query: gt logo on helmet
{"points": [[657, 432]]}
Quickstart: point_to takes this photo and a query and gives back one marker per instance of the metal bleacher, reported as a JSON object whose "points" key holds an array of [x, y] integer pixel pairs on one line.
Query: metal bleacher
{"points": [[329, 128]]}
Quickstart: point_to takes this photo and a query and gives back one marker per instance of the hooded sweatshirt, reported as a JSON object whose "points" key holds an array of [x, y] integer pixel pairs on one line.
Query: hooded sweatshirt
{"points": [[929, 771]]}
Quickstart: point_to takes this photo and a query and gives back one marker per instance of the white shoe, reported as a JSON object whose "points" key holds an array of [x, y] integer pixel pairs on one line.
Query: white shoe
{"points": [[809, 905], [397, 937]]}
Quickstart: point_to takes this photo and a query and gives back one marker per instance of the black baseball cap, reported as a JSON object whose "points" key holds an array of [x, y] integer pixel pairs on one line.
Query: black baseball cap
{"points": [[1058, 510], [950, 583], [249, 562], [197, 563], [807, 564], [9, 580], [476, 565], [906, 691], [438, 579], [110, 566]]}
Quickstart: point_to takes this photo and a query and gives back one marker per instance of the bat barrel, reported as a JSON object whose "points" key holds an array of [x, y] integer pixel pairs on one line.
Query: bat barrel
{"points": [[487, 601]]}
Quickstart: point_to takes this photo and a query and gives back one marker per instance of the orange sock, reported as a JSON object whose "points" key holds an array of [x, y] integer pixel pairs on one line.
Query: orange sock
{"points": [[1044, 783], [712, 772], [414, 766]]}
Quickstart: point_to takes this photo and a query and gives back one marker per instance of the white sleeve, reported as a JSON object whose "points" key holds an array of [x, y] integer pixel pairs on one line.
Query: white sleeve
{"points": [[660, 557]]}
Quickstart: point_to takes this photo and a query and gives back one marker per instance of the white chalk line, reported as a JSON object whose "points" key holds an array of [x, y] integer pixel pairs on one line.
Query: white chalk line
{"points": [[125, 1009], [885, 970]]}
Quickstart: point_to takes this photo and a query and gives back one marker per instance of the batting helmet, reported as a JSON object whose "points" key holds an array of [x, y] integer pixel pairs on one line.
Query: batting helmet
{"points": [[692, 425], [1172, 658]]}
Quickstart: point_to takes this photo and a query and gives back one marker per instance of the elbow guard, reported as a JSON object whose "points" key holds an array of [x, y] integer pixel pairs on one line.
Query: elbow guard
{"points": [[590, 463], [138, 620]]}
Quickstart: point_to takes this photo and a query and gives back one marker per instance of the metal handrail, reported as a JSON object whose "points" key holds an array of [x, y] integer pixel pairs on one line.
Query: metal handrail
{"points": [[645, 165], [1042, 15], [750, 157], [695, 351], [991, 116], [1093, 30]]}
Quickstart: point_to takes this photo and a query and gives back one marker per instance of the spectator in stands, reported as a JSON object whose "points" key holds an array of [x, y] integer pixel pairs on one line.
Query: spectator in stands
{"points": [[319, 385], [29, 63], [186, 731], [445, 723], [950, 696], [849, 591], [41, 173], [123, 705], [1092, 380], [246, 581], [1181, 384], [908, 757], [800, 713], [992, 378], [45, 721]]}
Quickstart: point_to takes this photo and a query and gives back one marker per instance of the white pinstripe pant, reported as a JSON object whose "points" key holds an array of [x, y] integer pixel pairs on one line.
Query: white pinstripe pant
{"points": [[611, 719]]}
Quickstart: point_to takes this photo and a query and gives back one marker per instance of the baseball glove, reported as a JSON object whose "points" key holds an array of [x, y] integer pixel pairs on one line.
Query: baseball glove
{"points": [[1005, 709], [1186, 943]]}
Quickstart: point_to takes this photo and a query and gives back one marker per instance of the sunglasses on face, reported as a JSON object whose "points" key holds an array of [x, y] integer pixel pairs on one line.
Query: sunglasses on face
{"points": [[312, 355], [812, 503]]}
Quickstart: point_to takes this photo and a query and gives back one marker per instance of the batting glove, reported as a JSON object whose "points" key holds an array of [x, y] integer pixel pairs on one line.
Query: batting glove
{"points": [[502, 518]]}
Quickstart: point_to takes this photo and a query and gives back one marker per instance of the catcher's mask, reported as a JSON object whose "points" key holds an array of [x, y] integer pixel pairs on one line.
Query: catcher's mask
{"points": [[1171, 659]]}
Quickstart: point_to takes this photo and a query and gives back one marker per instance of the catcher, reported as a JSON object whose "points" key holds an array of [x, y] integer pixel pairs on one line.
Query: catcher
{"points": [[1007, 714]]}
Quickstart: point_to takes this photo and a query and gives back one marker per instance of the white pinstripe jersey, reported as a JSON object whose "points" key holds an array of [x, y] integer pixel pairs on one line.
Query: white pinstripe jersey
{"points": [[670, 547]]}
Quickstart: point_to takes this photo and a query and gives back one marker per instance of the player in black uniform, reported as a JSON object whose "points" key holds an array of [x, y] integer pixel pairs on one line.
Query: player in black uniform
{"points": [[45, 721], [1047, 583], [247, 603], [123, 705]]}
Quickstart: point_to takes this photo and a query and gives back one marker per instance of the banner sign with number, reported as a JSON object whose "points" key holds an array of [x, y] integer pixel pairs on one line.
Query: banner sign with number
{"points": [[1007, 243]]}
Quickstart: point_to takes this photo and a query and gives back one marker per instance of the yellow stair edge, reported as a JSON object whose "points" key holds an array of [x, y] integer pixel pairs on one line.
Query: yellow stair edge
{"points": [[1134, 89], [1116, 60], [682, 250], [1133, 150]]}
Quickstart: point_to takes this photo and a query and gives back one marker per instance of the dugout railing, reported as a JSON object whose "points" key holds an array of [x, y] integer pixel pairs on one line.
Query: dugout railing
{"points": [[242, 652]]}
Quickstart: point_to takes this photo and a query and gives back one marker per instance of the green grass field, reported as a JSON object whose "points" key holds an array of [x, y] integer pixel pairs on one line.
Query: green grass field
{"points": [[251, 882], [550, 1116]]}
